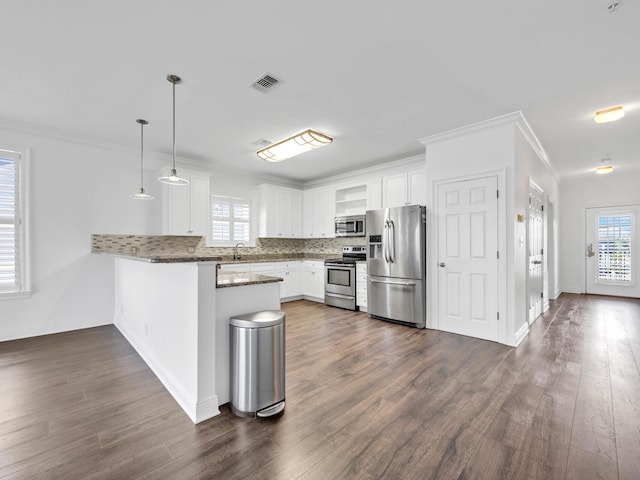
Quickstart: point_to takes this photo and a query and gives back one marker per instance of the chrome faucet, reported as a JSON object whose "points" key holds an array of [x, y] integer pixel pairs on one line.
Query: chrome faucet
{"points": [[236, 255]]}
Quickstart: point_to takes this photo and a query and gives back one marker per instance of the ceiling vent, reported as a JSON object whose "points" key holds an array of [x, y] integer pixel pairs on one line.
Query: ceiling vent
{"points": [[265, 83]]}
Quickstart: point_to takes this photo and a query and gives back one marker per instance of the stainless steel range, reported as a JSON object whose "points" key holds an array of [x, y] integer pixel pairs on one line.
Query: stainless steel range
{"points": [[340, 277]]}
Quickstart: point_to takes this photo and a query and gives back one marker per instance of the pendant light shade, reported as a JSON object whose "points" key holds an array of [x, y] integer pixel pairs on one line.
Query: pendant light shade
{"points": [[174, 179], [141, 195]]}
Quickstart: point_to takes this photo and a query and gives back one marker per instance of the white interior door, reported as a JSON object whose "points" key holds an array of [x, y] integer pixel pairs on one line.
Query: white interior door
{"points": [[536, 252], [467, 216], [612, 251]]}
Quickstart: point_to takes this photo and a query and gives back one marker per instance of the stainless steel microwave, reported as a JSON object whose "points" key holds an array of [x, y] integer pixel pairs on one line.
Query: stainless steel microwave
{"points": [[350, 226]]}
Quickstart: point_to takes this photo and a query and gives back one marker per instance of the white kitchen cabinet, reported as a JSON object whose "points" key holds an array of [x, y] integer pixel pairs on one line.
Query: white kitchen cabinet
{"points": [[374, 194], [279, 212], [187, 208], [263, 268], [313, 280], [236, 267], [290, 272], [319, 212], [361, 286], [351, 200], [404, 189]]}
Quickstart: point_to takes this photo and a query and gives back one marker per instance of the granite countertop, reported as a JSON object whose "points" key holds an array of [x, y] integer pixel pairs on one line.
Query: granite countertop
{"points": [[229, 278], [276, 258], [169, 257]]}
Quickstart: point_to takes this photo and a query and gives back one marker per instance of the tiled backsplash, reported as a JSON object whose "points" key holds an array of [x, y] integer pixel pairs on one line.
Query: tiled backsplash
{"points": [[265, 247]]}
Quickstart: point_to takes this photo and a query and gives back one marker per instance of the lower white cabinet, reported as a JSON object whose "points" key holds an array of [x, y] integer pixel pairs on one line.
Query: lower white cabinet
{"points": [[361, 286], [290, 272], [313, 280], [300, 278]]}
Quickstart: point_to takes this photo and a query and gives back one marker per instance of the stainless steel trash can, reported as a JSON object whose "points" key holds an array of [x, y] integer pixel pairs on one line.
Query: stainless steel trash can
{"points": [[257, 363]]}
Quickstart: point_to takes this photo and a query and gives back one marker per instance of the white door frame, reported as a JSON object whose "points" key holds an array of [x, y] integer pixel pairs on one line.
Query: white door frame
{"points": [[634, 287], [432, 250], [533, 186]]}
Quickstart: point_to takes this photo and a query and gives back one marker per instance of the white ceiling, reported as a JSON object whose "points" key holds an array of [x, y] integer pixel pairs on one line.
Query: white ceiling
{"points": [[375, 75]]}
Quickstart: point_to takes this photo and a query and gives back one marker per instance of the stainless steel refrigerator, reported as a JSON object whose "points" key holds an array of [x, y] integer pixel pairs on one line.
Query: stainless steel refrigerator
{"points": [[396, 264]]}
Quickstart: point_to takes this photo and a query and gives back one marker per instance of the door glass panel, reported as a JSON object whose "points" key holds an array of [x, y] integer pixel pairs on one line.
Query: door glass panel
{"points": [[614, 248], [339, 277]]}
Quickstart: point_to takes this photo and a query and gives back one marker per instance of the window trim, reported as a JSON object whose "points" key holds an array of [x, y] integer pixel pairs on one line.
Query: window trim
{"points": [[23, 208], [232, 243]]}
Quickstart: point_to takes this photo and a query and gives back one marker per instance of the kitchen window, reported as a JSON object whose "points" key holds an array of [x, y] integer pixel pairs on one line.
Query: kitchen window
{"points": [[13, 225], [231, 220]]}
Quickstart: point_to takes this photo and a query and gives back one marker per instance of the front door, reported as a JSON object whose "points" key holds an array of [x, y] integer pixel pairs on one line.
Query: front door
{"points": [[467, 218], [612, 251]]}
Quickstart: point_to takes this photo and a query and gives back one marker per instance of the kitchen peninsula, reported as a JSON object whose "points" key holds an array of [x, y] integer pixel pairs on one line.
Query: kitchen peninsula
{"points": [[174, 308]]}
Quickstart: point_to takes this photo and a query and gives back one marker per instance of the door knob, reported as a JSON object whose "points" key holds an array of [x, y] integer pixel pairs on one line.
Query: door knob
{"points": [[442, 264]]}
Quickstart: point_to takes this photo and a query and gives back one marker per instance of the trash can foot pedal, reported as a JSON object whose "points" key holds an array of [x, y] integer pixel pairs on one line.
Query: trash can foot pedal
{"points": [[272, 410]]}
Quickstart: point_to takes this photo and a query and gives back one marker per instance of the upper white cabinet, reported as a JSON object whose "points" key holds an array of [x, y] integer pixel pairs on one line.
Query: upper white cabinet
{"points": [[186, 208], [404, 189], [374, 194], [279, 212], [319, 212], [351, 200]]}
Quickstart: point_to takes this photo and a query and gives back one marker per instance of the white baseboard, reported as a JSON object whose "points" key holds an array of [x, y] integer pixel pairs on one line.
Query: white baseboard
{"points": [[571, 289], [313, 299], [520, 334], [197, 412], [29, 331]]}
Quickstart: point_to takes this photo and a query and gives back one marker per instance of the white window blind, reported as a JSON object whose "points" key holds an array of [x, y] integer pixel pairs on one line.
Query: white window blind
{"points": [[231, 220], [11, 260], [614, 247]]}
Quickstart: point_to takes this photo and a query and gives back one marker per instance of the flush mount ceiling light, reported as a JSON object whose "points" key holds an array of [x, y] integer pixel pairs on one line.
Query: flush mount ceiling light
{"points": [[295, 145], [174, 179], [141, 195], [609, 115], [604, 169]]}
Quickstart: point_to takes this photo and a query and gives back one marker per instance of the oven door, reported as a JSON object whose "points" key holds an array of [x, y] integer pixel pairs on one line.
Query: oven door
{"points": [[340, 279]]}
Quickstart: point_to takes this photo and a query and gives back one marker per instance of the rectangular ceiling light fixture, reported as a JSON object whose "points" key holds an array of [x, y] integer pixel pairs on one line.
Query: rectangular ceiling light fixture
{"points": [[295, 145]]}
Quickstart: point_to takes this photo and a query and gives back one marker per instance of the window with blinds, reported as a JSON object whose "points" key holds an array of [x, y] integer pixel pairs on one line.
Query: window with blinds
{"points": [[11, 256], [614, 247], [231, 220]]}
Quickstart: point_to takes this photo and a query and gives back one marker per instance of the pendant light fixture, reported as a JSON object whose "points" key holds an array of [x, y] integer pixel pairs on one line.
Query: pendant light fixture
{"points": [[141, 195], [174, 179]]}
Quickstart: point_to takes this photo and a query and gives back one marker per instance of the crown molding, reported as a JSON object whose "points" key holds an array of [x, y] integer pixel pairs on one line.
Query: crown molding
{"points": [[414, 161], [514, 118]]}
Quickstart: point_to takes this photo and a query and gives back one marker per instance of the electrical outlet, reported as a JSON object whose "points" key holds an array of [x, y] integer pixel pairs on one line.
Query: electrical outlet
{"points": [[191, 249]]}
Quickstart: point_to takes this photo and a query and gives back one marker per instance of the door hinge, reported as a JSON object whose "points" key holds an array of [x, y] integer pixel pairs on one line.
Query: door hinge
{"points": [[497, 193], [541, 294], [529, 200], [542, 208], [498, 255], [497, 315], [542, 251]]}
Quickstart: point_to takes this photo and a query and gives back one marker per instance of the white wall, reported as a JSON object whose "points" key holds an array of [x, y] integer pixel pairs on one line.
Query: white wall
{"points": [[529, 166], [502, 146], [617, 188], [75, 190]]}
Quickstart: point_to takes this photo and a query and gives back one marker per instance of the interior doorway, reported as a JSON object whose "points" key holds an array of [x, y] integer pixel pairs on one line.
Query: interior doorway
{"points": [[535, 241], [467, 223], [612, 251]]}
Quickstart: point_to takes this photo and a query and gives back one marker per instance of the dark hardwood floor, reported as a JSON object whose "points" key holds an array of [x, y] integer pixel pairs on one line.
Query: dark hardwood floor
{"points": [[365, 400]]}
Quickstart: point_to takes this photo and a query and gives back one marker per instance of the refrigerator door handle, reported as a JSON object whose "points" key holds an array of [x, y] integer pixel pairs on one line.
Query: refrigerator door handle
{"points": [[407, 284], [392, 241], [384, 241]]}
